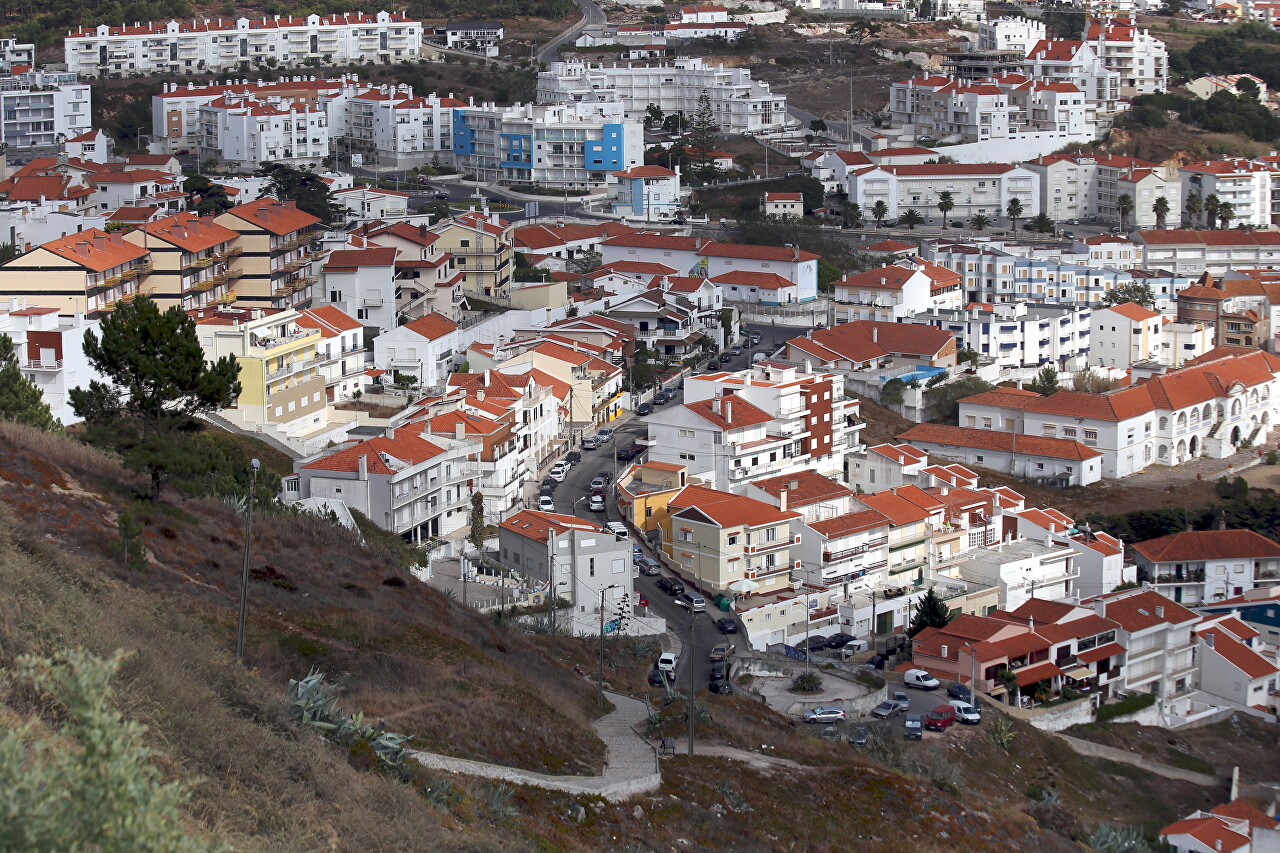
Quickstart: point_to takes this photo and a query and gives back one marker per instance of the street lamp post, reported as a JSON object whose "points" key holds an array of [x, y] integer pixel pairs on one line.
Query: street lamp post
{"points": [[244, 568], [600, 694]]}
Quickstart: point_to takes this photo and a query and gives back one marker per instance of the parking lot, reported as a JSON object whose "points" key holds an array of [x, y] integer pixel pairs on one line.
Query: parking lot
{"points": [[921, 702]]}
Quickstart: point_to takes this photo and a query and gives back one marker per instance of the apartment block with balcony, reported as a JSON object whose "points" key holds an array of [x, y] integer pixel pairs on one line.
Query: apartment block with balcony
{"points": [[342, 352], [766, 421], [503, 467], [113, 190], [595, 385], [407, 482], [185, 47], [662, 325], [1024, 570], [194, 260], [1234, 665], [89, 272], [361, 284], [427, 279], [424, 350], [480, 246], [35, 113], [1141, 59], [1244, 184], [1200, 567], [1158, 634], [279, 258], [50, 352], [282, 391], [242, 131]]}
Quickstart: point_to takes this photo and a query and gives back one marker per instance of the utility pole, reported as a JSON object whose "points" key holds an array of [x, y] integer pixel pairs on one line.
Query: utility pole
{"points": [[600, 693], [689, 705], [551, 588], [244, 568]]}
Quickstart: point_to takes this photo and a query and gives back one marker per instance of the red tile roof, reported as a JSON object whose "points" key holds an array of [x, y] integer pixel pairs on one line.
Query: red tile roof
{"points": [[1007, 442], [535, 525], [408, 446], [1137, 611], [190, 232], [1236, 653], [1132, 311], [1197, 545], [728, 510], [1242, 810], [432, 326], [864, 340], [853, 522], [898, 510], [891, 246], [329, 320], [741, 412], [1098, 653], [1037, 672], [1211, 831], [804, 488], [755, 253], [95, 250], [761, 280], [352, 259], [279, 218]]}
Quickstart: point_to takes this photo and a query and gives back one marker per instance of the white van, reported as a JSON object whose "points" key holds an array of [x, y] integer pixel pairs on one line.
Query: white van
{"points": [[667, 662], [759, 357], [966, 713], [920, 680]]}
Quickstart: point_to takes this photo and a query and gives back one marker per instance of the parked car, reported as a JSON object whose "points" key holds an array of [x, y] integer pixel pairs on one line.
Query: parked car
{"points": [[558, 474], [692, 600], [641, 598], [441, 196], [725, 357], [719, 671], [920, 680], [956, 690], [825, 715], [599, 483], [657, 678], [573, 457], [550, 482], [839, 640], [720, 651], [756, 337], [812, 644], [967, 714], [663, 397], [940, 718], [546, 491], [590, 443], [736, 350], [830, 733], [668, 661], [607, 476], [546, 504], [912, 727], [649, 567], [644, 409], [617, 528], [858, 737], [876, 662], [596, 504], [901, 699], [721, 686], [626, 454], [727, 625], [670, 586], [886, 709], [604, 435]]}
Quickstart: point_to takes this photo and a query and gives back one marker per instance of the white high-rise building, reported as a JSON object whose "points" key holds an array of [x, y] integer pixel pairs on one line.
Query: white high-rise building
{"points": [[35, 114], [738, 103], [1141, 59], [174, 47]]}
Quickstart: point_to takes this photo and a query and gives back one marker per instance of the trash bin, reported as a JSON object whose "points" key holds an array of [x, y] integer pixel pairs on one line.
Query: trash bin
{"points": [[724, 602]]}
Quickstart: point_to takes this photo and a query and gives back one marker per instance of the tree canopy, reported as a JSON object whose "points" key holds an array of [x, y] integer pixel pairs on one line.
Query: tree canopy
{"points": [[304, 187], [1139, 294], [930, 612], [20, 400]]}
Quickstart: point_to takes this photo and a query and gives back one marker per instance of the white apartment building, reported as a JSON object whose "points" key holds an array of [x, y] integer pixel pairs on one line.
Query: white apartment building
{"points": [[33, 115], [1157, 636], [1023, 570], [413, 484], [1199, 567], [1141, 59], [138, 188], [977, 188], [1126, 334], [1010, 34], [1212, 409], [897, 292], [474, 36], [1189, 252], [177, 47], [1244, 184], [1077, 63], [959, 10], [244, 132], [14, 52], [50, 352], [175, 111], [560, 145], [1077, 186], [1098, 556], [341, 351], [767, 421], [1000, 272], [365, 202], [424, 349], [1018, 334], [648, 193], [426, 280], [1010, 107], [738, 103], [390, 125]]}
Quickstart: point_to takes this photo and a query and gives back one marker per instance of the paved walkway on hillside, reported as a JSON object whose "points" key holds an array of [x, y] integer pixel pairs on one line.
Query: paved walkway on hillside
{"points": [[1159, 476], [631, 765]]}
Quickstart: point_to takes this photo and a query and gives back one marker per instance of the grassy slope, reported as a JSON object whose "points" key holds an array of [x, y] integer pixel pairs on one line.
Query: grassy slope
{"points": [[458, 682]]}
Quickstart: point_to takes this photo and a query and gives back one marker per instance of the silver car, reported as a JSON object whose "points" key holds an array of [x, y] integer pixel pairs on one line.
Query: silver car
{"points": [[825, 715]]}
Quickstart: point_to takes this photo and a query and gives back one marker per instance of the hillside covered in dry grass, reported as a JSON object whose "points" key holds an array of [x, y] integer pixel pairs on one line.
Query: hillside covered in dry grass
{"points": [[458, 682]]}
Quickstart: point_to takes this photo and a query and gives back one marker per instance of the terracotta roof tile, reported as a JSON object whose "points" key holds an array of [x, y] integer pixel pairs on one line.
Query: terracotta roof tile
{"points": [[804, 488], [271, 215], [432, 326], [1007, 442], [95, 250], [1199, 545], [729, 412]]}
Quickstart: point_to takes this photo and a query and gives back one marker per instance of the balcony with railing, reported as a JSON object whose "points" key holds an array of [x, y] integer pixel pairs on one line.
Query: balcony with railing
{"points": [[845, 553], [51, 364]]}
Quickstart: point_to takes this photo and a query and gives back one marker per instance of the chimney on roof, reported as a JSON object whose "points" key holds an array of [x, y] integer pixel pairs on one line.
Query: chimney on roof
{"points": [[362, 467], [480, 395], [460, 431], [697, 243], [1208, 641], [391, 433], [1159, 611], [796, 251], [99, 241], [875, 334], [715, 405], [728, 410], [782, 500], [1222, 522]]}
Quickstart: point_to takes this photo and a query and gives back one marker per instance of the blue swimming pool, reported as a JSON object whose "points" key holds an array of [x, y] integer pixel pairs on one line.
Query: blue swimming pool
{"points": [[920, 374]]}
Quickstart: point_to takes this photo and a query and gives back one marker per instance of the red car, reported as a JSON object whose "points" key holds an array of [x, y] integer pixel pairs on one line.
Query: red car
{"points": [[940, 718], [641, 600]]}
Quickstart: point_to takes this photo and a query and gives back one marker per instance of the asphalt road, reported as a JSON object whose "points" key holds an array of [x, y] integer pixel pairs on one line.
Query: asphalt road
{"points": [[591, 14]]}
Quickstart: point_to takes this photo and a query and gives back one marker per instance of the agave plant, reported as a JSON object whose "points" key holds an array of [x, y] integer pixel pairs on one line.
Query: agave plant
{"points": [[1108, 838], [314, 702]]}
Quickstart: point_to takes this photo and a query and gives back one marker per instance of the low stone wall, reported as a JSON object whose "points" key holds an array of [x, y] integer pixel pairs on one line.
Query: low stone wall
{"points": [[1055, 719], [1120, 756]]}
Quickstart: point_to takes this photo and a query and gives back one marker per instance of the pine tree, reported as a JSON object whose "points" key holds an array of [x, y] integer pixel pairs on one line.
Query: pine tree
{"points": [[931, 612], [20, 401], [304, 187], [701, 140], [1046, 381]]}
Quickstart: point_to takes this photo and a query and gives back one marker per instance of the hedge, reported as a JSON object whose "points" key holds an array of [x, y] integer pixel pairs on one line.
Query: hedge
{"points": [[1131, 704]]}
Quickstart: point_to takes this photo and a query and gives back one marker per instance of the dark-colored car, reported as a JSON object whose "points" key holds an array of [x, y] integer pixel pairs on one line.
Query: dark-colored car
{"points": [[657, 678], [720, 671], [839, 641], [607, 476], [721, 687], [644, 409], [858, 737], [670, 586], [727, 625], [813, 644], [959, 691], [663, 397], [876, 662], [573, 457], [940, 718], [550, 483], [626, 454], [726, 357], [546, 491], [912, 727]]}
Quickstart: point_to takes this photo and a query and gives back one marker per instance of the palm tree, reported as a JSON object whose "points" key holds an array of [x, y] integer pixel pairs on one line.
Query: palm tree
{"points": [[1211, 207], [852, 214], [1124, 207], [1014, 211], [945, 204], [1226, 213], [1193, 207], [911, 219], [880, 210], [1042, 223], [1161, 210], [979, 222]]}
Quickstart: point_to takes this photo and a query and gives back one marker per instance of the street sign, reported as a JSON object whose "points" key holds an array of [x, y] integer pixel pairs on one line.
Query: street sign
{"points": [[530, 209], [357, 159]]}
